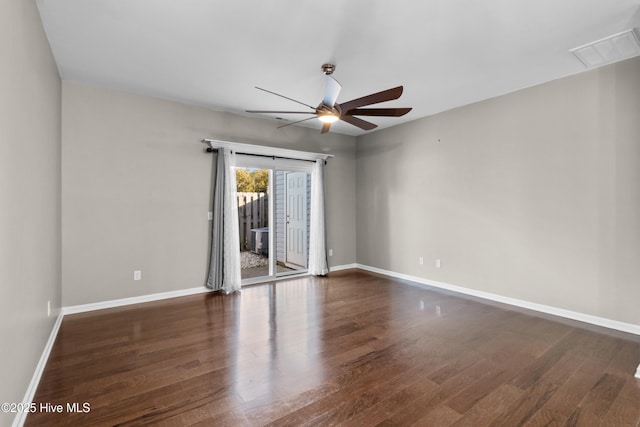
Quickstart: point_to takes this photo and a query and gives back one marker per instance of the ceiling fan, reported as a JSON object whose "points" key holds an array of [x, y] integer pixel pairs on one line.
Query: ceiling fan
{"points": [[329, 111]]}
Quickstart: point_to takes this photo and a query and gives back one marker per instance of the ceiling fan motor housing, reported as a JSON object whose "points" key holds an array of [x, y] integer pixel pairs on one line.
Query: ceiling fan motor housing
{"points": [[328, 110], [328, 69]]}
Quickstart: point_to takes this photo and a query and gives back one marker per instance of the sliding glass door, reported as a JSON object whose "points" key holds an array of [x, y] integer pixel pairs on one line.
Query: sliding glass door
{"points": [[253, 221], [273, 217]]}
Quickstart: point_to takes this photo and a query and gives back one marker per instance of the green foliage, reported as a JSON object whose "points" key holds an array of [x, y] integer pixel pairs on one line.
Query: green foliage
{"points": [[252, 181], [260, 180], [244, 181]]}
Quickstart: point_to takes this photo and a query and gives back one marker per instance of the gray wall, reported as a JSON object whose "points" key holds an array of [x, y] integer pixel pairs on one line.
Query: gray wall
{"points": [[534, 195], [136, 190], [29, 196]]}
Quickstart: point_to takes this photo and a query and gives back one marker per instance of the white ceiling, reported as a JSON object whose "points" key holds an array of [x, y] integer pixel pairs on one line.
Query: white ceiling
{"points": [[446, 53]]}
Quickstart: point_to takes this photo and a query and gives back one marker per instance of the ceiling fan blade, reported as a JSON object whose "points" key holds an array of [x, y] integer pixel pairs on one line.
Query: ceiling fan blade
{"points": [[285, 97], [331, 92], [374, 98], [362, 124], [325, 127], [389, 112], [299, 121], [280, 112]]}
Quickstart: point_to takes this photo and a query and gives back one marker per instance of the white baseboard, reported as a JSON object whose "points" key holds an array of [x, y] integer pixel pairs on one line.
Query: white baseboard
{"points": [[581, 317], [21, 417], [343, 267], [132, 300]]}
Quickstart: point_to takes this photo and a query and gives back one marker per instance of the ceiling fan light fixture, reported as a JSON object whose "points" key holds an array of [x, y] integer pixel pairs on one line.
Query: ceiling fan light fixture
{"points": [[328, 118]]}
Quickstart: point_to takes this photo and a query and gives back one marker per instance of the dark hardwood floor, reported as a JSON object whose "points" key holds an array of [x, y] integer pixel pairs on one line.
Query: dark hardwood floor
{"points": [[353, 349]]}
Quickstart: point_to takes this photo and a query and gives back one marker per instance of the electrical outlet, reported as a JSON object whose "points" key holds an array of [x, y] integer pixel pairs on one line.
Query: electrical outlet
{"points": [[330, 252], [420, 260], [210, 216], [438, 263], [137, 275], [49, 308]]}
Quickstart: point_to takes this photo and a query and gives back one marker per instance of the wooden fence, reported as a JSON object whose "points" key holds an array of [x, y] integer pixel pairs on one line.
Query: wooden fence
{"points": [[253, 212]]}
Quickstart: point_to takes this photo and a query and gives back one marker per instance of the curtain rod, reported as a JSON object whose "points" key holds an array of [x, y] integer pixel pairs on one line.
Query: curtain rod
{"points": [[265, 151], [215, 150]]}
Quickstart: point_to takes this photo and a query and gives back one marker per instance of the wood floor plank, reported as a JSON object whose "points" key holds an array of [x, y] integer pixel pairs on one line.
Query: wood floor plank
{"points": [[600, 398], [490, 407], [566, 399], [349, 398], [352, 349], [436, 396], [625, 410], [470, 396], [400, 393], [546, 417], [440, 416], [525, 408]]}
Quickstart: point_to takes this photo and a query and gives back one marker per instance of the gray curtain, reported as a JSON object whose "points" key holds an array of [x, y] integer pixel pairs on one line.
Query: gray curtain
{"points": [[216, 263], [224, 266]]}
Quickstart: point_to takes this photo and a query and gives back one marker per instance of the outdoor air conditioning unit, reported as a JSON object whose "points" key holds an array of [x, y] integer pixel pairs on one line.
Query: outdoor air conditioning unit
{"points": [[260, 241]]}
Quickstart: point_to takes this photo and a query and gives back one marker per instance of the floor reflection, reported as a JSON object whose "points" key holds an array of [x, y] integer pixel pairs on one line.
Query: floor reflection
{"points": [[277, 339]]}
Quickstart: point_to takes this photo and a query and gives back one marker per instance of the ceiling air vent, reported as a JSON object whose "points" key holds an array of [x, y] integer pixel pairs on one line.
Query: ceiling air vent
{"points": [[609, 49]]}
